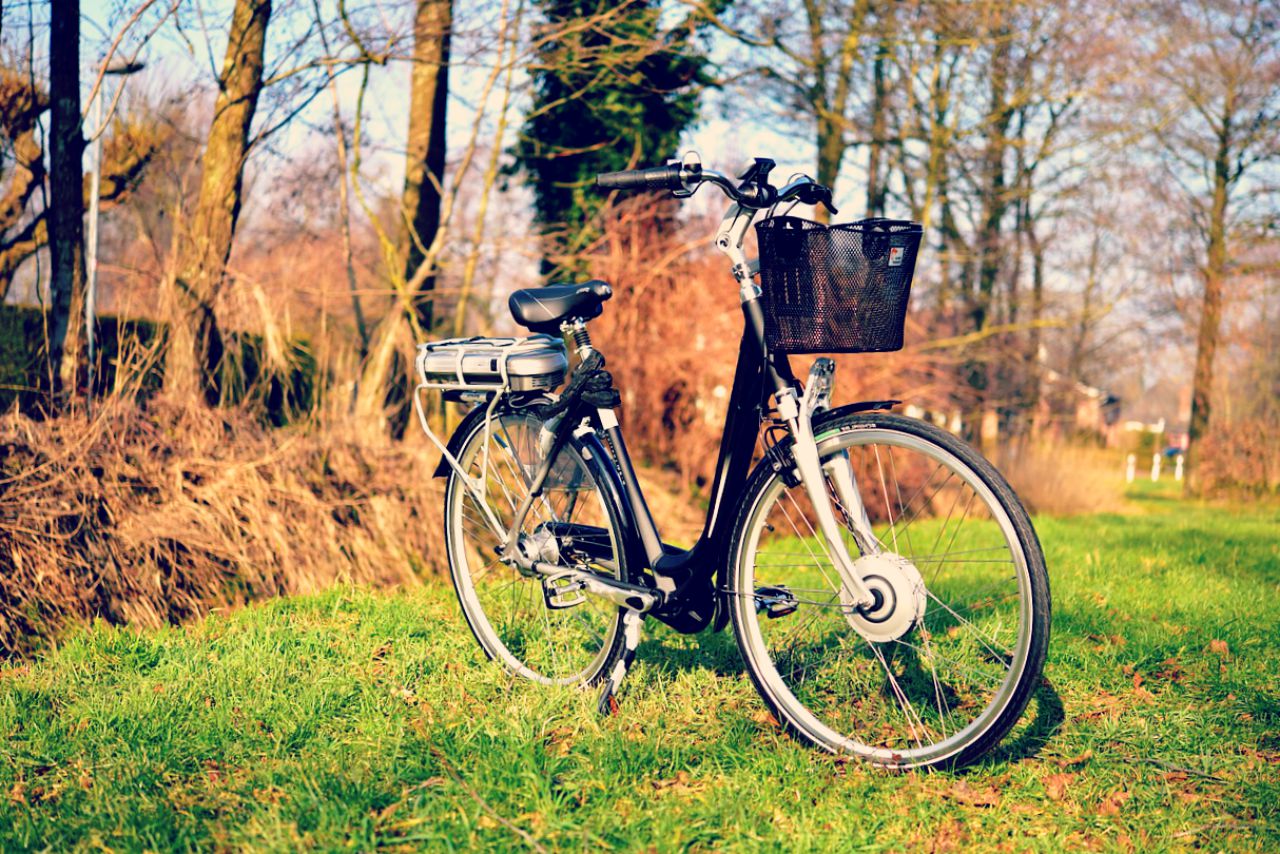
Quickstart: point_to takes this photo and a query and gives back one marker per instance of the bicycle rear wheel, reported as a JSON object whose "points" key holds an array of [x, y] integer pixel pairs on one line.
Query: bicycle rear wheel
{"points": [[941, 667], [504, 607]]}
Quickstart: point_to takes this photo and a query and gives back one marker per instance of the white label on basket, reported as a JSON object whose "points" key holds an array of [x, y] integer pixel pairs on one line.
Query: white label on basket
{"points": [[895, 256]]}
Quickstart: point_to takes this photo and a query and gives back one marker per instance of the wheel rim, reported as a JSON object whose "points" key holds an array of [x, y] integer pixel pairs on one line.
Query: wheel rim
{"points": [[506, 609], [925, 697]]}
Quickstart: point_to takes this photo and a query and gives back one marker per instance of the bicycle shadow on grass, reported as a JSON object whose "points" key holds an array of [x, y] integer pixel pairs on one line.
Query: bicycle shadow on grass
{"points": [[666, 651], [1030, 738]]}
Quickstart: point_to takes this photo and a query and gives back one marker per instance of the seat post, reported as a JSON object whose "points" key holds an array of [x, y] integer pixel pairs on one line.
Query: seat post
{"points": [[577, 329]]}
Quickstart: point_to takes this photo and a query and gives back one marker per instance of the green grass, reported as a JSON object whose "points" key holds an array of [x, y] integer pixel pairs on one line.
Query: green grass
{"points": [[359, 719]]}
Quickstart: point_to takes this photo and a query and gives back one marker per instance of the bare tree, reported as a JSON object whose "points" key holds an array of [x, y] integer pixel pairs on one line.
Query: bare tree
{"points": [[66, 176], [21, 104], [1215, 99], [424, 168], [202, 248], [814, 61], [127, 152]]}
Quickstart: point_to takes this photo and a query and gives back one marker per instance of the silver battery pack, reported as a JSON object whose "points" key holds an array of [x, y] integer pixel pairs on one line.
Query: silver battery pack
{"points": [[536, 363]]}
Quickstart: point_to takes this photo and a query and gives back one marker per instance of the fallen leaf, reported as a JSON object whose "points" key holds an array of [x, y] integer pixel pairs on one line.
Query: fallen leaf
{"points": [[681, 784], [1073, 761], [950, 836], [1055, 785], [1102, 704], [559, 740], [18, 793], [963, 793], [487, 822], [1108, 640], [1171, 670], [1112, 803], [766, 719]]}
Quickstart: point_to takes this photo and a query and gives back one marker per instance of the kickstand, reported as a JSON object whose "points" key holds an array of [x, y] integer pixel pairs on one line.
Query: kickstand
{"points": [[631, 623]]}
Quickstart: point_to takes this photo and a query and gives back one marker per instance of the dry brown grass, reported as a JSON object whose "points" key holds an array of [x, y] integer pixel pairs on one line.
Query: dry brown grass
{"points": [[157, 515], [1242, 459], [1063, 479]]}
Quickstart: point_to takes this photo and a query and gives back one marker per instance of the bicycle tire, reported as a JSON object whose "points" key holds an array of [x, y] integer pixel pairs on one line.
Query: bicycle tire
{"points": [[464, 446], [836, 432]]}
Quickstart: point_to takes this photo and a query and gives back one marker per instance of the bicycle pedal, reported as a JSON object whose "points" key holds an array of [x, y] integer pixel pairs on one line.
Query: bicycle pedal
{"points": [[776, 601], [562, 591]]}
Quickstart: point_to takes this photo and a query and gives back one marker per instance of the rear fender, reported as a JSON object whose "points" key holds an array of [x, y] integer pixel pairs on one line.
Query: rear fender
{"points": [[601, 465], [464, 429]]}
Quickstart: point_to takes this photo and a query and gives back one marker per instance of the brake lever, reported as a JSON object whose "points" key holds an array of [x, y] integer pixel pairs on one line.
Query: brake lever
{"points": [[816, 194]]}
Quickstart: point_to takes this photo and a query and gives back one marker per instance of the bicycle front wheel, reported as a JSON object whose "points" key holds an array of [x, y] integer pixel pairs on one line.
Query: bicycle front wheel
{"points": [[941, 666], [505, 608]]}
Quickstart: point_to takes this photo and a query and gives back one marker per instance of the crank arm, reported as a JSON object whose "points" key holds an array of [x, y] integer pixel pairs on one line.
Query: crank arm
{"points": [[799, 417], [633, 596]]}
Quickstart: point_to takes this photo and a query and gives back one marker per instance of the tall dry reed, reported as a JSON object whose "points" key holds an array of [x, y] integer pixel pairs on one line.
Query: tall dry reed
{"points": [[157, 514]]}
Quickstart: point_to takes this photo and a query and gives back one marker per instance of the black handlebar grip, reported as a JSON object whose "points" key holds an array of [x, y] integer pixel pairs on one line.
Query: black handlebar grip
{"points": [[655, 178]]}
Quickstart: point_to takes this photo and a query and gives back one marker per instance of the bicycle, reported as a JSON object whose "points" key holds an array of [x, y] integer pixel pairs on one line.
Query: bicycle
{"points": [[885, 585]]}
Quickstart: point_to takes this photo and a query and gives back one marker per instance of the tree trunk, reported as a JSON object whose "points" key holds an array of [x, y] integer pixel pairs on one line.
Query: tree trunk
{"points": [[1211, 311], [202, 249], [424, 171], [876, 177], [1034, 377], [831, 148], [383, 397], [988, 241], [66, 197]]}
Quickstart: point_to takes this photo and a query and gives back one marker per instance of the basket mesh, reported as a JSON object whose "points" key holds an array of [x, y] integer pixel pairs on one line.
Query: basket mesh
{"points": [[836, 289]]}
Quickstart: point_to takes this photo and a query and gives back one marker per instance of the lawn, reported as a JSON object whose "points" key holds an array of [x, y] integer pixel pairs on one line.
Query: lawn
{"points": [[360, 719]]}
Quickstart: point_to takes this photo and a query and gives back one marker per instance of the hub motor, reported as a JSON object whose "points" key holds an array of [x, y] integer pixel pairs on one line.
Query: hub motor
{"points": [[900, 598]]}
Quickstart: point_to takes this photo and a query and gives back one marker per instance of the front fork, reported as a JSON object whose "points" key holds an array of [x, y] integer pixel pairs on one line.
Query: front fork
{"points": [[814, 474]]}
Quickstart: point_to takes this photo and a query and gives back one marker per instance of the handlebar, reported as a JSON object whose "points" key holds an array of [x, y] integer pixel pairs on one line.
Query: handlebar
{"points": [[754, 191], [656, 178]]}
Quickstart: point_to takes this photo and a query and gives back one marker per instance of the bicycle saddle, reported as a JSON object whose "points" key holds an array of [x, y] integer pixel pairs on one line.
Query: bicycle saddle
{"points": [[544, 309]]}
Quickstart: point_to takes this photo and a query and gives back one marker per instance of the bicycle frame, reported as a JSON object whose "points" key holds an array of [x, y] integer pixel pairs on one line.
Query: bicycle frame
{"points": [[688, 576]]}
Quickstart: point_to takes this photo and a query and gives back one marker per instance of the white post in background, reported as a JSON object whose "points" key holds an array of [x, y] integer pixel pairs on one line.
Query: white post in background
{"points": [[1130, 468], [1155, 467], [1177, 467]]}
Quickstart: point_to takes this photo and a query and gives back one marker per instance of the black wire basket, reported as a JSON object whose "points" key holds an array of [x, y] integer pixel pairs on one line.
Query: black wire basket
{"points": [[836, 288]]}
